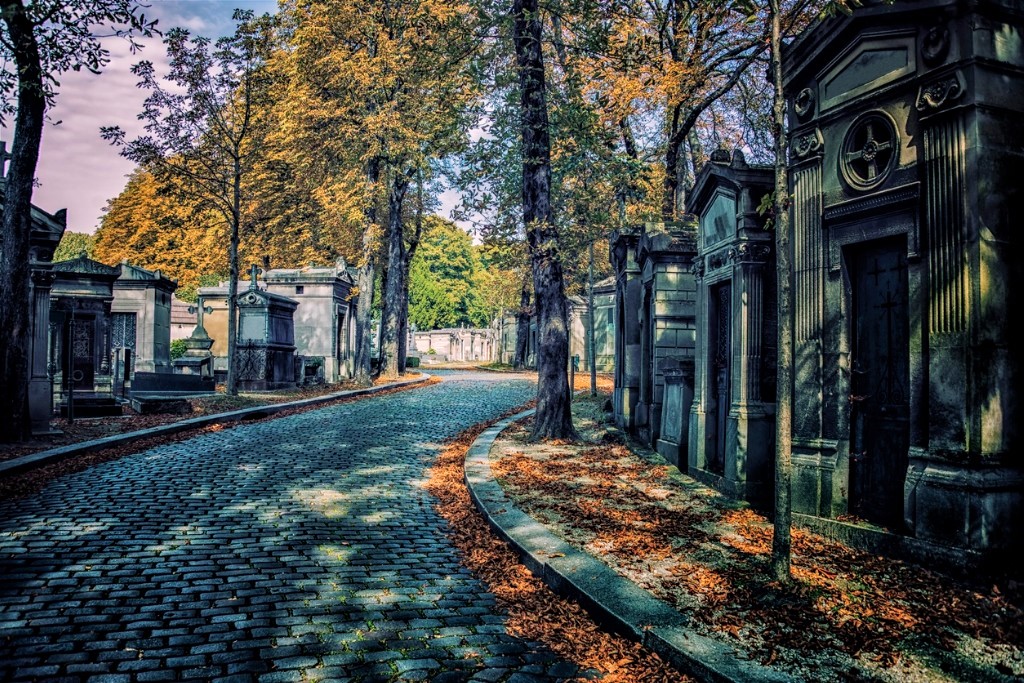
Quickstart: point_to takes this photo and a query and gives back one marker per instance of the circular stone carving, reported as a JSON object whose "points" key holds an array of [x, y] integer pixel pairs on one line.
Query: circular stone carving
{"points": [[803, 103], [869, 151], [935, 45]]}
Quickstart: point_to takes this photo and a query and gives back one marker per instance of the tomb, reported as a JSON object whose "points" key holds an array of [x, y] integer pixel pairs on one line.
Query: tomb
{"points": [[906, 157], [46, 232], [266, 339], [667, 321], [456, 344], [80, 336], [325, 317], [732, 418], [140, 323], [626, 319], [604, 333], [654, 323]]}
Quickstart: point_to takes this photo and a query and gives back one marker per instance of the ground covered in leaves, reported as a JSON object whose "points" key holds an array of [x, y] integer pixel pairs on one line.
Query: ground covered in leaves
{"points": [[534, 612], [849, 615]]}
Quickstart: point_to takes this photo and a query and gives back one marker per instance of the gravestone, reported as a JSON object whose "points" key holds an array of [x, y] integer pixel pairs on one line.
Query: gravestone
{"points": [[906, 156]]}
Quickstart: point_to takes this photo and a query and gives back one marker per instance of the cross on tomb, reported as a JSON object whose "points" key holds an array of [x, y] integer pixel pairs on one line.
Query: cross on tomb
{"points": [[254, 271], [198, 311], [877, 271]]}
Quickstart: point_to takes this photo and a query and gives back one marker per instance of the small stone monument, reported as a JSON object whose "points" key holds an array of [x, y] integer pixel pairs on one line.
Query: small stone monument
{"points": [[266, 338], [197, 359]]}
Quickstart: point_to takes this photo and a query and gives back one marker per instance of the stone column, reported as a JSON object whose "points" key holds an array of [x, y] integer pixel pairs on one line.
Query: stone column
{"points": [[40, 390]]}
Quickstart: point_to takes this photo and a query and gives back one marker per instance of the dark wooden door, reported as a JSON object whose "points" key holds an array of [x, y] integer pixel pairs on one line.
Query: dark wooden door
{"points": [[720, 348], [80, 363], [880, 400]]}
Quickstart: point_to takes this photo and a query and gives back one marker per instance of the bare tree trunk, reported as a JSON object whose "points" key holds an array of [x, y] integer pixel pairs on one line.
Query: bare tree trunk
{"points": [[668, 197], [408, 252], [16, 227], [391, 315], [236, 218], [522, 329], [781, 540], [364, 282], [553, 418], [590, 331]]}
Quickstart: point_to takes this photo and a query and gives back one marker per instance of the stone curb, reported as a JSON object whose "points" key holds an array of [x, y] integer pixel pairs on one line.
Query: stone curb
{"points": [[615, 601], [27, 462]]}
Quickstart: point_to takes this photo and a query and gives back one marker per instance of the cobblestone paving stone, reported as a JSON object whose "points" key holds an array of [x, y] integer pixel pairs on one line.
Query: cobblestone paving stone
{"points": [[302, 548]]}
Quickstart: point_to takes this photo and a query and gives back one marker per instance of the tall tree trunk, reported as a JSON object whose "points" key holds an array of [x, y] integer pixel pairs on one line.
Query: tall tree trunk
{"points": [[364, 281], [781, 540], [236, 219], [591, 334], [522, 329], [668, 197], [553, 418], [407, 254], [391, 314], [16, 227]]}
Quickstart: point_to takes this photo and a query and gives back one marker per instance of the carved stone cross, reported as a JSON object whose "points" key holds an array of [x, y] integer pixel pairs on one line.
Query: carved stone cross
{"points": [[198, 311], [253, 272]]}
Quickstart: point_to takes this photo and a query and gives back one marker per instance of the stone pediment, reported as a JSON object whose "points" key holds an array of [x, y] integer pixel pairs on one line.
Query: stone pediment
{"points": [[253, 297], [84, 265], [867, 65]]}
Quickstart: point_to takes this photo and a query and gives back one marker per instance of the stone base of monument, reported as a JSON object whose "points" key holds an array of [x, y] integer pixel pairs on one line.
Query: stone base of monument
{"points": [[151, 405], [91, 405]]}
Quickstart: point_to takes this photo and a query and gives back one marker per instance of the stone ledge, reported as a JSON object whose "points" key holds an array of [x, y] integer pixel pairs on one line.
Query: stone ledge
{"points": [[614, 601]]}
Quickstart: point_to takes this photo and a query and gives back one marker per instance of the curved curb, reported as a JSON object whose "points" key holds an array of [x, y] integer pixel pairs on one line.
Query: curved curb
{"points": [[616, 602], [40, 458]]}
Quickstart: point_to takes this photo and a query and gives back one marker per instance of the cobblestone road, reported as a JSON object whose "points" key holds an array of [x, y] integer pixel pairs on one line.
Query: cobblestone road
{"points": [[302, 548]]}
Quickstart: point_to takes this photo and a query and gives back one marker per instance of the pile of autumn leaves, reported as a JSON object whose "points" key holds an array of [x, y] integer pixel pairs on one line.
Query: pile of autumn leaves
{"points": [[534, 612], [849, 615]]}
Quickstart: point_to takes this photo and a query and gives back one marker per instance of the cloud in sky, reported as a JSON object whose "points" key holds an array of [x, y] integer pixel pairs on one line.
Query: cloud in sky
{"points": [[77, 169]]}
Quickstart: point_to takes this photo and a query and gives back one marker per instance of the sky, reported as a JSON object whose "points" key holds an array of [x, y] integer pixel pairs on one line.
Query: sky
{"points": [[78, 170]]}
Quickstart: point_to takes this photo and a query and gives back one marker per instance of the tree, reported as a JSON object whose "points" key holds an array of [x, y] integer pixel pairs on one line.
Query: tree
{"points": [[781, 540], [39, 41], [378, 87], [72, 245], [202, 128], [553, 418], [444, 278], [155, 225]]}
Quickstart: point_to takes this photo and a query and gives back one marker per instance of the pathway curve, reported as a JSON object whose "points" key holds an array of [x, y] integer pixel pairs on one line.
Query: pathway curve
{"points": [[302, 548]]}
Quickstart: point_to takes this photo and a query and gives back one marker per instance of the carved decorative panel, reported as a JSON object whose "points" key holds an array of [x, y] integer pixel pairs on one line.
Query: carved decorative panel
{"points": [[807, 252], [945, 146]]}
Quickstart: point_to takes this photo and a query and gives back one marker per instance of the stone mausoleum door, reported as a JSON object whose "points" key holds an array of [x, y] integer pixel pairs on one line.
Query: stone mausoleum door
{"points": [[721, 365], [880, 404], [80, 343], [123, 341]]}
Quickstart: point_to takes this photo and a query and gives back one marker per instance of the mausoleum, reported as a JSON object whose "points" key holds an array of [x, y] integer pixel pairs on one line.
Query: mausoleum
{"points": [[907, 153], [732, 417]]}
